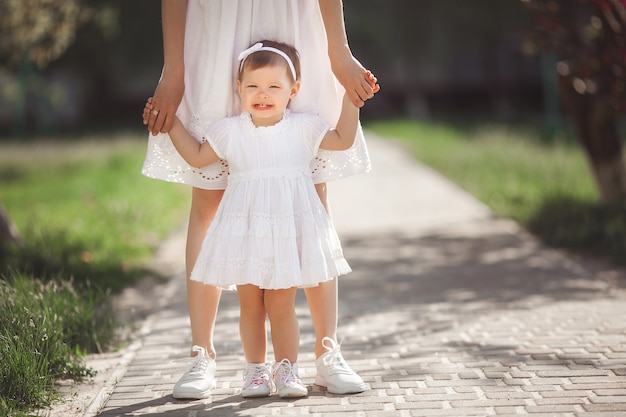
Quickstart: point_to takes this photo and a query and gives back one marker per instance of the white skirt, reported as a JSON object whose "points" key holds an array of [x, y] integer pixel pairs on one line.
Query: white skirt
{"points": [[216, 31], [272, 233]]}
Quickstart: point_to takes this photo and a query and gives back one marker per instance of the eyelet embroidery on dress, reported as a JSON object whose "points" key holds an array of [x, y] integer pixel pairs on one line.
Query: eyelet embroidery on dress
{"points": [[333, 165], [318, 164], [195, 123], [222, 172]]}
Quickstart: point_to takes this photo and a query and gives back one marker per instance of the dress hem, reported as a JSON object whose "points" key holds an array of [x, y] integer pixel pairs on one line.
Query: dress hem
{"points": [[233, 287]]}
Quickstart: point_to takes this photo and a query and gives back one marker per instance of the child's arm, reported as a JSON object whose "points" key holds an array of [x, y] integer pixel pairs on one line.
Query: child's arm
{"points": [[194, 153], [342, 136]]}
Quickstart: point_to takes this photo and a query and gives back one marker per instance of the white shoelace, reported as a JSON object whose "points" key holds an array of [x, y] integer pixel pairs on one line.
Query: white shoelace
{"points": [[333, 358], [257, 376], [288, 370], [199, 363]]}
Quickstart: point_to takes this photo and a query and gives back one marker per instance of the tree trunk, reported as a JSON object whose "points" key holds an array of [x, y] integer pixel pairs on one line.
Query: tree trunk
{"points": [[596, 123], [8, 231]]}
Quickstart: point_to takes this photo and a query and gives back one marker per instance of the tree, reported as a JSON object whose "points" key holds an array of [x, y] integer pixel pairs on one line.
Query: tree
{"points": [[37, 32], [588, 39]]}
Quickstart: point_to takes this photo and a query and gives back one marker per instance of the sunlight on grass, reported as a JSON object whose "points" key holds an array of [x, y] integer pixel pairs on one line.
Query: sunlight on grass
{"points": [[90, 223], [91, 211], [546, 186], [509, 170]]}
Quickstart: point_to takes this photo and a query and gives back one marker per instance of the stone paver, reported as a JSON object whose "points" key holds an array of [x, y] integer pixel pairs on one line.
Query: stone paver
{"points": [[449, 312]]}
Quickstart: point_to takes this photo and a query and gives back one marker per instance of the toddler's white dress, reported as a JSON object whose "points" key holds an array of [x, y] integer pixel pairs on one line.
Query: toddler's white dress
{"points": [[271, 229], [216, 32]]}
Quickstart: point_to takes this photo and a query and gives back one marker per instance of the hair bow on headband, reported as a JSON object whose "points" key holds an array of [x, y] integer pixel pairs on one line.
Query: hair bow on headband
{"points": [[259, 47], [254, 48]]}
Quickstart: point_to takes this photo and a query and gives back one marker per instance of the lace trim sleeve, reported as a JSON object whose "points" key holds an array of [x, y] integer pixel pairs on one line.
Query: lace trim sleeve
{"points": [[334, 165]]}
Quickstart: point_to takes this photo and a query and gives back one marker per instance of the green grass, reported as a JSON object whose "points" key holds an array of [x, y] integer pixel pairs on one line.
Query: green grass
{"points": [[90, 223], [43, 327], [544, 185], [85, 210]]}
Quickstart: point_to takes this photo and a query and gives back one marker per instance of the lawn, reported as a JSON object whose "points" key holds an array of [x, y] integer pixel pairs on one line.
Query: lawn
{"points": [[90, 223]]}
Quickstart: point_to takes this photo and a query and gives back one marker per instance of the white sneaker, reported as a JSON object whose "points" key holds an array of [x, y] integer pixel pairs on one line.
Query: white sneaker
{"points": [[199, 378], [256, 381], [286, 380], [334, 373]]}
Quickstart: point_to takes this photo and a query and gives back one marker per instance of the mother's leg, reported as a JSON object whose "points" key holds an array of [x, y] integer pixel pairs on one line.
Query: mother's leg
{"points": [[332, 370], [202, 299], [322, 299]]}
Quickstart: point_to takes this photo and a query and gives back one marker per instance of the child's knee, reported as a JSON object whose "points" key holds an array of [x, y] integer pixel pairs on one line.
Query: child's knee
{"points": [[279, 303], [251, 300]]}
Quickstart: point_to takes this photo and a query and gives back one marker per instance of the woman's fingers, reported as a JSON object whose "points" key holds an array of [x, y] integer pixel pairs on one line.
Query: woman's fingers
{"points": [[155, 122]]}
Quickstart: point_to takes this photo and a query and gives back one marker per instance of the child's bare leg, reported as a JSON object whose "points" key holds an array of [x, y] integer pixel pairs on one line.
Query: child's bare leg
{"points": [[202, 299], [281, 310], [252, 323]]}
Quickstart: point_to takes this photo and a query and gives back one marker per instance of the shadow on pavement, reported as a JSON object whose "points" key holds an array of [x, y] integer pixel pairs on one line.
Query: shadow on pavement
{"points": [[499, 270], [230, 406]]}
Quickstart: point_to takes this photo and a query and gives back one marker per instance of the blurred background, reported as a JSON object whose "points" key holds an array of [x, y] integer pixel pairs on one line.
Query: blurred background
{"points": [[519, 102], [77, 65]]}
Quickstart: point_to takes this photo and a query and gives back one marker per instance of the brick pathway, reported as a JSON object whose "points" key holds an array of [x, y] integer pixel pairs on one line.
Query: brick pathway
{"points": [[449, 312]]}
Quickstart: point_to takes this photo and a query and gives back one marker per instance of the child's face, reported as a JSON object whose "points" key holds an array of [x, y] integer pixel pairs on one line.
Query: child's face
{"points": [[265, 93]]}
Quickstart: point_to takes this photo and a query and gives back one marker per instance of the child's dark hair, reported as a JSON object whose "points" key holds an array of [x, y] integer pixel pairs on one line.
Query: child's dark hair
{"points": [[261, 59]]}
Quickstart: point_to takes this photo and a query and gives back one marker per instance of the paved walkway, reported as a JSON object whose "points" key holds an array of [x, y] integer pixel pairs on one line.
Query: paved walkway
{"points": [[449, 312]]}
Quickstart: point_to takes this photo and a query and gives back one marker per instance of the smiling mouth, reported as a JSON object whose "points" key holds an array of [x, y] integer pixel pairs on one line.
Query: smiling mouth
{"points": [[263, 106]]}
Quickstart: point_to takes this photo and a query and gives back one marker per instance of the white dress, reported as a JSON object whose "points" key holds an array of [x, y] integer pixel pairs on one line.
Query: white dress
{"points": [[216, 32], [271, 229]]}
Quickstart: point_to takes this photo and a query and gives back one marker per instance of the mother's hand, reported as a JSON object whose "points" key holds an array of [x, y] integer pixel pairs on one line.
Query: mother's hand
{"points": [[360, 84], [167, 98]]}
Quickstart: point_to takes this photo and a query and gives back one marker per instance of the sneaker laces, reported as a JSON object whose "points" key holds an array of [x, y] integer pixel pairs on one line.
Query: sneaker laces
{"points": [[199, 363], [257, 375], [288, 371], [333, 358]]}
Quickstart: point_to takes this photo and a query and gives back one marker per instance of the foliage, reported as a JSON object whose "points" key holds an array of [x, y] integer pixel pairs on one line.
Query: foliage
{"points": [[39, 31], [545, 186], [588, 39], [36, 33]]}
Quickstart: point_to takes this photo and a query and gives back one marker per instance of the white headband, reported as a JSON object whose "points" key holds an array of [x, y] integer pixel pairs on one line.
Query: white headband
{"points": [[259, 47]]}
